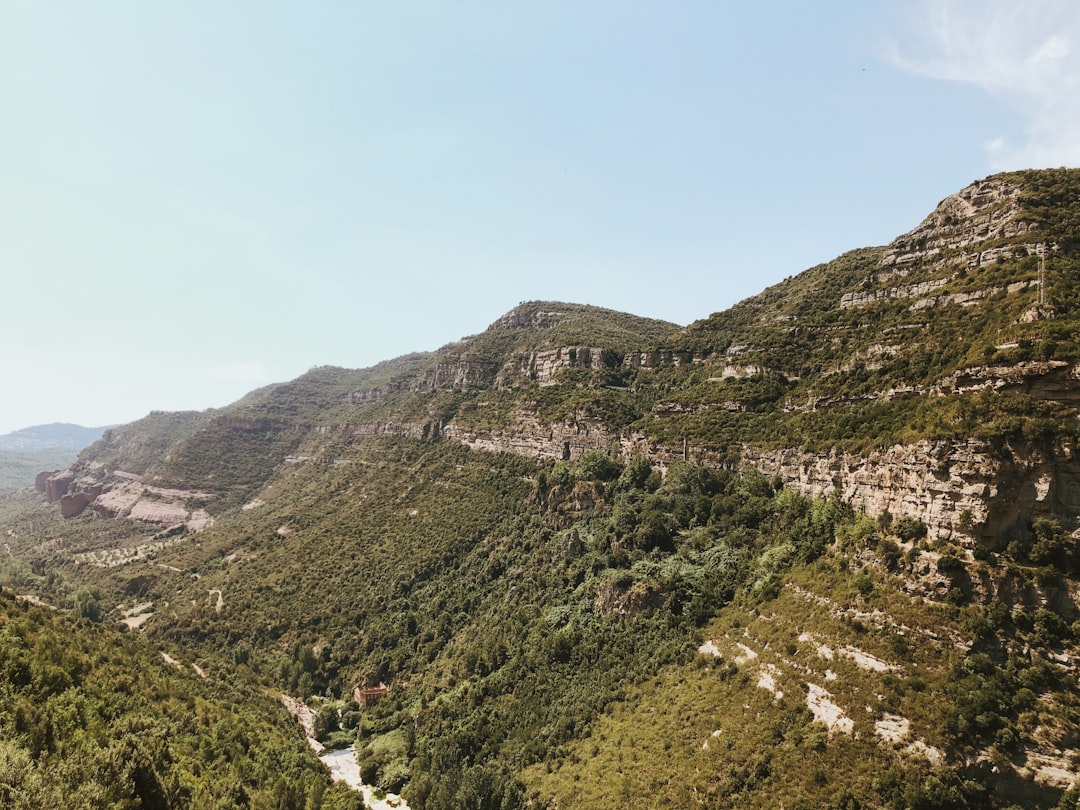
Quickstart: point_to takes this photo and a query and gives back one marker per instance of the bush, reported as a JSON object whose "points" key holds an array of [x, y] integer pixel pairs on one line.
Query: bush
{"points": [[635, 475], [325, 722], [596, 465], [909, 529], [1052, 547], [890, 554], [949, 564]]}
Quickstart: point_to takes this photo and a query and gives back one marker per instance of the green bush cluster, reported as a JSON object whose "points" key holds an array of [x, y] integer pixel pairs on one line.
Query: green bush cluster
{"points": [[92, 719]]}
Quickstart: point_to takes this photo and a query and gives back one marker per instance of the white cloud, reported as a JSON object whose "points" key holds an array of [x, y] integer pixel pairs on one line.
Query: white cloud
{"points": [[1025, 52]]}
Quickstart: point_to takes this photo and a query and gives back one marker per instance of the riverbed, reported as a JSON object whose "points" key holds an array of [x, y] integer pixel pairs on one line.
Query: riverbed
{"points": [[344, 768]]}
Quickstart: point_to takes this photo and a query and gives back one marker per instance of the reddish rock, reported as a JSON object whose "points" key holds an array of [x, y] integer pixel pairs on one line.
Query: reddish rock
{"points": [[42, 479], [73, 505]]}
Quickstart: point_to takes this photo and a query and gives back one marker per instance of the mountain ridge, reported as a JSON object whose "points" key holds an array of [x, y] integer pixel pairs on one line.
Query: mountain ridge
{"points": [[53, 436], [834, 524]]}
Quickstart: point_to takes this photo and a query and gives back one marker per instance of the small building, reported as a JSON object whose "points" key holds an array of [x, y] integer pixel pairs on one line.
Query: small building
{"points": [[368, 695]]}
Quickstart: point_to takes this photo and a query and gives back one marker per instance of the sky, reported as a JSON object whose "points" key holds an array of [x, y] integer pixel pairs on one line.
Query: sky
{"points": [[200, 198]]}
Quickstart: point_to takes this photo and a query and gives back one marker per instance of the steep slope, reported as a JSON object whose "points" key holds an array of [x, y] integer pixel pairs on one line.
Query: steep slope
{"points": [[94, 719], [952, 350], [534, 623], [585, 548], [194, 465]]}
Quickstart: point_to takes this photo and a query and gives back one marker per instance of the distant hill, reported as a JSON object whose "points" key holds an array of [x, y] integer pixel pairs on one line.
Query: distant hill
{"points": [[56, 436], [24, 453]]}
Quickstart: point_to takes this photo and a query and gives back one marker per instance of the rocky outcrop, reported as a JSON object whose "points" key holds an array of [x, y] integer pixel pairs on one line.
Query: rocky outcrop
{"points": [[612, 599], [42, 480], [542, 367], [460, 375], [527, 318], [731, 372], [154, 512], [968, 491], [967, 299], [118, 501], [406, 429], [527, 436], [661, 359], [533, 367], [242, 423], [971, 492], [966, 232], [58, 485], [864, 299], [983, 211], [1054, 380], [125, 495], [74, 504]]}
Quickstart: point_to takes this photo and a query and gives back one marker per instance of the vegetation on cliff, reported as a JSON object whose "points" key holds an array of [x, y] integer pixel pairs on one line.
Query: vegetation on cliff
{"points": [[613, 610]]}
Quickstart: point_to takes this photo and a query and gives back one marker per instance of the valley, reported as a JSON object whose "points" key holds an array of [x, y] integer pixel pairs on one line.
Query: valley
{"points": [[820, 548]]}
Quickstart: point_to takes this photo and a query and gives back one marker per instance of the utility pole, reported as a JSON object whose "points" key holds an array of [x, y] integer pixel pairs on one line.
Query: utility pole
{"points": [[1041, 250]]}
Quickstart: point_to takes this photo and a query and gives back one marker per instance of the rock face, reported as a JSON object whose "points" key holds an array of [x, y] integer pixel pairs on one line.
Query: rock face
{"points": [[124, 495], [464, 375], [967, 491], [527, 319], [1052, 380], [534, 367], [151, 512], [58, 485], [983, 211], [864, 299], [527, 436], [661, 359], [42, 480], [73, 505], [542, 366], [118, 501]]}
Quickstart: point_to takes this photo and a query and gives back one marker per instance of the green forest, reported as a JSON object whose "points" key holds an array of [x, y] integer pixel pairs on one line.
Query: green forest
{"points": [[546, 541]]}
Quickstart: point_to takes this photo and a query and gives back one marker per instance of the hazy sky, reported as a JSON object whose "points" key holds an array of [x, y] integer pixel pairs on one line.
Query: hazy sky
{"points": [[199, 198]]}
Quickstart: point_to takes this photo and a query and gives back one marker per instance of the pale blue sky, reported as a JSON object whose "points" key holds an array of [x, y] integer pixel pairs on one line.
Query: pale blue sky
{"points": [[199, 198]]}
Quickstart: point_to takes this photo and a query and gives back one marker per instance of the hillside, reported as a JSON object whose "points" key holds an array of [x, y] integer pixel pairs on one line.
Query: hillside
{"points": [[820, 547], [94, 719], [18, 470]]}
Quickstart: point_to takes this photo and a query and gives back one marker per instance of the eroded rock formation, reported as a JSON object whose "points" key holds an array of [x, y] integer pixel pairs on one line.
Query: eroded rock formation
{"points": [[968, 491]]}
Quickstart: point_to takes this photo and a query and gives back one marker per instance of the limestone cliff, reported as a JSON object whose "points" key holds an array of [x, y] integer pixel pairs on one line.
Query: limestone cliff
{"points": [[966, 491], [952, 351], [963, 229]]}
